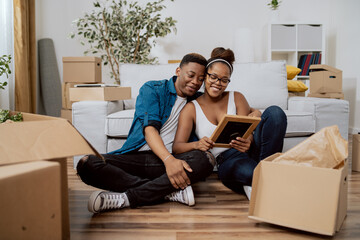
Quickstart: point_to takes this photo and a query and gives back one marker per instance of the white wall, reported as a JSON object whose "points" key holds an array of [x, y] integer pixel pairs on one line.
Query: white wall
{"points": [[205, 24]]}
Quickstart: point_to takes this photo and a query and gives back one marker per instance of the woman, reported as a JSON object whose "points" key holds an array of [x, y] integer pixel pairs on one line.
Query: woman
{"points": [[235, 165]]}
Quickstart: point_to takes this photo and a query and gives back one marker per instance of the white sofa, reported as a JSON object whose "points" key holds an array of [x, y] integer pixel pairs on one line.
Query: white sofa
{"points": [[105, 124]]}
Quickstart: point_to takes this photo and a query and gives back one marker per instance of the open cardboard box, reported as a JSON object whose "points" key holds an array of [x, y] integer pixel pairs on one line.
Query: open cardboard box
{"points": [[312, 199], [40, 138]]}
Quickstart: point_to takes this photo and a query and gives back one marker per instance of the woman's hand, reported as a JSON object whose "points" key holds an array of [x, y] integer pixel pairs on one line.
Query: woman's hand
{"points": [[255, 113], [175, 169], [204, 144], [241, 144]]}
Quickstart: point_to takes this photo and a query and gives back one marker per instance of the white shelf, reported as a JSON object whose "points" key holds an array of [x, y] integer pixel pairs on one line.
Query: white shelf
{"points": [[289, 41]]}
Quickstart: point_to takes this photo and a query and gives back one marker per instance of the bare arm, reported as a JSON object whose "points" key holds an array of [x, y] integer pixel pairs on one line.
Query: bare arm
{"points": [[185, 127], [174, 167]]}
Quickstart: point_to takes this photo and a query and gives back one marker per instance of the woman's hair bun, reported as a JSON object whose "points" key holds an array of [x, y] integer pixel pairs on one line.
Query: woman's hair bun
{"points": [[226, 54]]}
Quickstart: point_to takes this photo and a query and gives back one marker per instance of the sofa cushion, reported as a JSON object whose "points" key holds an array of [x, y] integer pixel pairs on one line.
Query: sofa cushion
{"points": [[135, 75], [118, 124], [263, 84], [299, 124]]}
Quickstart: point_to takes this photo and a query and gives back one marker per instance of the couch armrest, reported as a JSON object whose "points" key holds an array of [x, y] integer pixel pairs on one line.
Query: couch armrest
{"points": [[89, 117], [327, 112]]}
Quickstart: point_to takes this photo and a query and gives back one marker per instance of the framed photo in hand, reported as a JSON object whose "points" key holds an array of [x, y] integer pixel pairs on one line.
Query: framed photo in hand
{"points": [[231, 127]]}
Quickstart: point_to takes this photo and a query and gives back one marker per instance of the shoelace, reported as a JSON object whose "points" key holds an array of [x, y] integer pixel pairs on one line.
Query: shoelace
{"points": [[177, 196], [112, 201]]}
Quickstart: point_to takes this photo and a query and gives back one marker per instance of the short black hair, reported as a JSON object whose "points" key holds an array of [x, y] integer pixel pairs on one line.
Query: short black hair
{"points": [[193, 57]]}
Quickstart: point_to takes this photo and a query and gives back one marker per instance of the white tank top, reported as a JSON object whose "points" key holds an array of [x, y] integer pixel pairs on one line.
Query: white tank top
{"points": [[205, 128]]}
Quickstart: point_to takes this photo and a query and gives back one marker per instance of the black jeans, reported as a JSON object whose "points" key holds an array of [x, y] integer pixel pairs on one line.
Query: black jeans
{"points": [[141, 175]]}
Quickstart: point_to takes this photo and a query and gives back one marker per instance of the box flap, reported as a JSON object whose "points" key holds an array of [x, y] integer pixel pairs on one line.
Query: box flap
{"points": [[324, 67], [41, 139], [81, 59]]}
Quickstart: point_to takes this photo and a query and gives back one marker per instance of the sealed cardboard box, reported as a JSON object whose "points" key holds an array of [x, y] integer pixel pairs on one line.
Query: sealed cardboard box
{"points": [[44, 138], [325, 79], [327, 95], [66, 103], [356, 153], [30, 201], [99, 93], [82, 69], [67, 114], [312, 199]]}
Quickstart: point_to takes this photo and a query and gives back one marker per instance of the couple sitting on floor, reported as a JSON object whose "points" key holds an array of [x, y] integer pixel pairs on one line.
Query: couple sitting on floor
{"points": [[161, 158]]}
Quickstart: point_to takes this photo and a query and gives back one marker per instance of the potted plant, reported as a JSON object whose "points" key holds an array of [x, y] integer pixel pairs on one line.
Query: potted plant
{"points": [[274, 4], [5, 115], [123, 32], [5, 60]]}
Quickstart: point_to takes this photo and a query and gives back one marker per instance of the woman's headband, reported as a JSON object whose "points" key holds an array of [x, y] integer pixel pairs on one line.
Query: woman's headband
{"points": [[220, 60]]}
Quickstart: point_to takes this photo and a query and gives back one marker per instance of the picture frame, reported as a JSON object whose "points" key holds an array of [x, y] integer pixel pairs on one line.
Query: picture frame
{"points": [[232, 126]]}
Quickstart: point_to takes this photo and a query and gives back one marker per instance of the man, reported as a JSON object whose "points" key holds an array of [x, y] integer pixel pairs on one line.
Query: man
{"points": [[144, 171]]}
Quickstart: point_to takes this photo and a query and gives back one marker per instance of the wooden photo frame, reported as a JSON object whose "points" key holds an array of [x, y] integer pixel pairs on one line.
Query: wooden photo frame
{"points": [[232, 126]]}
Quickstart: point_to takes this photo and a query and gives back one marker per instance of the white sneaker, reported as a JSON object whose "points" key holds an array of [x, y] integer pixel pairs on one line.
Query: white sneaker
{"points": [[185, 196], [248, 190], [101, 200]]}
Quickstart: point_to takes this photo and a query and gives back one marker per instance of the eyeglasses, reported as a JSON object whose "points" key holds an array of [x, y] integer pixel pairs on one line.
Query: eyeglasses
{"points": [[213, 78]]}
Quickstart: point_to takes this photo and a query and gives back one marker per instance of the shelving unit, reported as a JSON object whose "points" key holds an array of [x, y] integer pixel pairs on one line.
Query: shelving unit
{"points": [[289, 41]]}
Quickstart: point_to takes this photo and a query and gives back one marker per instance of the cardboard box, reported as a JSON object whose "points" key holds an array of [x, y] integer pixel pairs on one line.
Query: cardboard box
{"points": [[43, 138], [307, 198], [327, 95], [356, 153], [30, 201], [325, 79], [66, 103], [100, 93], [82, 69], [67, 114]]}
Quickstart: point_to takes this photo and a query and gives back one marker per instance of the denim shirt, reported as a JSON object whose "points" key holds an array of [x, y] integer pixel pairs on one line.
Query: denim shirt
{"points": [[153, 107]]}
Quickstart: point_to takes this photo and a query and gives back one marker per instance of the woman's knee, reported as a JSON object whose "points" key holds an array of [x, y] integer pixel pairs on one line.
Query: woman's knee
{"points": [[276, 115]]}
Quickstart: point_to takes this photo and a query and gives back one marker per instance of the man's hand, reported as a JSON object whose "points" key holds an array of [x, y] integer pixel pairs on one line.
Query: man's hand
{"points": [[241, 144], [204, 144], [176, 173]]}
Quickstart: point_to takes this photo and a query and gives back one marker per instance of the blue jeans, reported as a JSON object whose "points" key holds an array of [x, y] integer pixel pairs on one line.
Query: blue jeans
{"points": [[235, 168], [141, 175]]}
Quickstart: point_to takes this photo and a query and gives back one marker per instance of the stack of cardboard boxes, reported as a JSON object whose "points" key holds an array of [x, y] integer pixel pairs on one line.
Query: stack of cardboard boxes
{"points": [[78, 70], [325, 82], [85, 72]]}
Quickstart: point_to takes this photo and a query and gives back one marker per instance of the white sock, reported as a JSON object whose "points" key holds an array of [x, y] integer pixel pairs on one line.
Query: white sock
{"points": [[247, 190]]}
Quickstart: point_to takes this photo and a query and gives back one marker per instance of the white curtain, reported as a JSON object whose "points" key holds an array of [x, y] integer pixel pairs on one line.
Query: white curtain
{"points": [[6, 48]]}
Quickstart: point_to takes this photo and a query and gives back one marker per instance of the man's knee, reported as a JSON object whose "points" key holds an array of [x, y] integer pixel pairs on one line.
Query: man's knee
{"points": [[85, 164], [200, 162]]}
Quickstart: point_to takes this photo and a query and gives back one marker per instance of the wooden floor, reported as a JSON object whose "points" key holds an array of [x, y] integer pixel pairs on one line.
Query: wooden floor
{"points": [[219, 213]]}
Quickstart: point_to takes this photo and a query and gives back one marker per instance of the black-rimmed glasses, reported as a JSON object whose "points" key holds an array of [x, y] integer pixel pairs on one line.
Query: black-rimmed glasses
{"points": [[213, 78]]}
